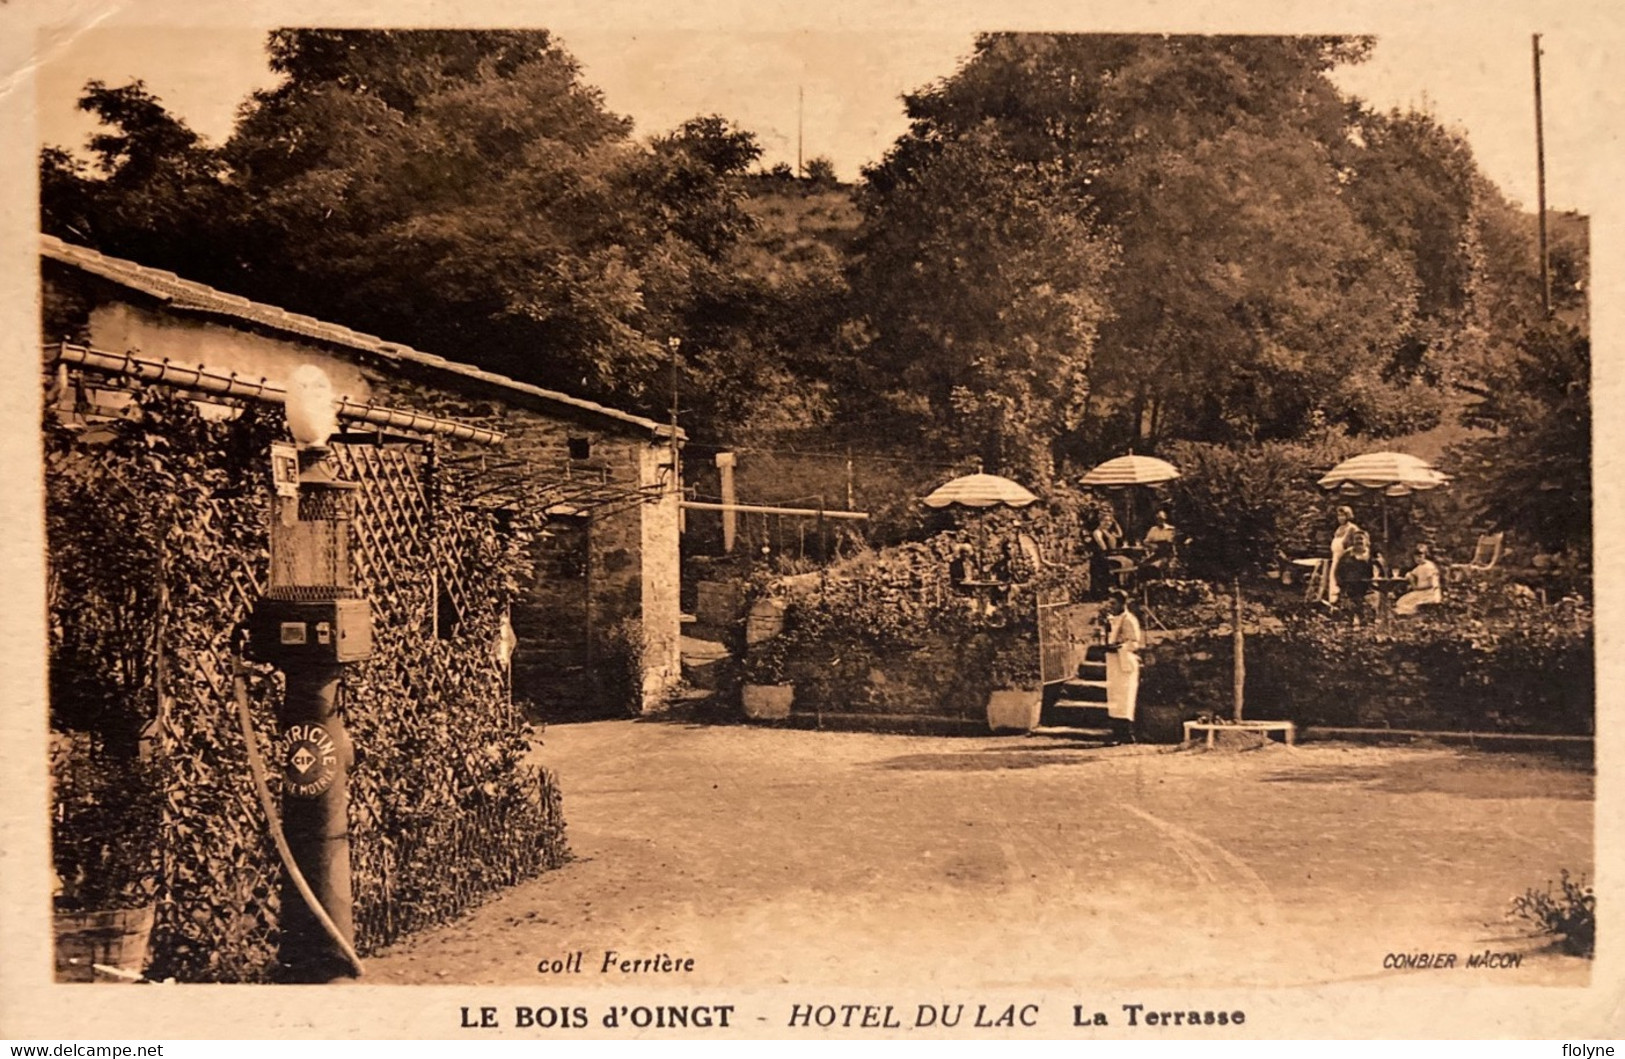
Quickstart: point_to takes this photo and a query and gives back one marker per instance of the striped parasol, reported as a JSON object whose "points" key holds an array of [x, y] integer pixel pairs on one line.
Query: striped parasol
{"points": [[1387, 474], [1131, 470], [980, 490], [1391, 473]]}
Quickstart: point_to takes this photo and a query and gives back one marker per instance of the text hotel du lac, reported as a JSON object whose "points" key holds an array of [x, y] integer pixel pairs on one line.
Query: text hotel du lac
{"points": [[838, 1016], [814, 1015]]}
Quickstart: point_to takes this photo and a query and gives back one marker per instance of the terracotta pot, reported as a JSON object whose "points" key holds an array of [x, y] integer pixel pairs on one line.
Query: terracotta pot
{"points": [[1014, 709], [767, 702]]}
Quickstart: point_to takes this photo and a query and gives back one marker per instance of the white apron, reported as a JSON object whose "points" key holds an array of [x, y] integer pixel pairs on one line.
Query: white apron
{"points": [[1123, 666]]}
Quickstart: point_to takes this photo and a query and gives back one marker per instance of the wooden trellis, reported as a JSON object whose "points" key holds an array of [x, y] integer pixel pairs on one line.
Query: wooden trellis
{"points": [[407, 535], [391, 551]]}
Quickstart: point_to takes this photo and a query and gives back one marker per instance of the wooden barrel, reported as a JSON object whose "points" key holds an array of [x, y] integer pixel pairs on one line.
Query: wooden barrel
{"points": [[115, 939]]}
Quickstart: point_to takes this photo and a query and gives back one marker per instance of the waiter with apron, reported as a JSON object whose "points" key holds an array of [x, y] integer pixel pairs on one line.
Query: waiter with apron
{"points": [[1122, 659]]}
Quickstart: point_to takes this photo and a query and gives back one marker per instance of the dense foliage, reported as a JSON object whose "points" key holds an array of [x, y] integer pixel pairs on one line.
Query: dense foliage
{"points": [[982, 288], [1569, 912], [1248, 506], [898, 612], [156, 525], [1083, 241], [1283, 256], [1532, 475], [462, 192], [1193, 245]]}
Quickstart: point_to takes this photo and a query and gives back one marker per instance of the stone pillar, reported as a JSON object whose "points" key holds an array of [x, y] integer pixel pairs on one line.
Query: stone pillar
{"points": [[730, 519]]}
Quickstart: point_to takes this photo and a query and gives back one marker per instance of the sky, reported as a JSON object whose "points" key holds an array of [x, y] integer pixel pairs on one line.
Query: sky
{"points": [[844, 85]]}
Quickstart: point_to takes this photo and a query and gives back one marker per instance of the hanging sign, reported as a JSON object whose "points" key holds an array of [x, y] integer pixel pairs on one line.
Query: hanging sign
{"points": [[285, 469]]}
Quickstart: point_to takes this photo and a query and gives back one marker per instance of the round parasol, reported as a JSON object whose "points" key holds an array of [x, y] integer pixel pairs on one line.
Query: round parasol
{"points": [[1391, 473], [980, 490], [1131, 470], [1387, 474]]}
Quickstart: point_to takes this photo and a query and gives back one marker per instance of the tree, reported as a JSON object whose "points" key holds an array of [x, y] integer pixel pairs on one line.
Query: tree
{"points": [[714, 140], [1533, 474], [1251, 503], [1248, 297], [981, 291], [463, 192], [153, 190], [1266, 278], [1415, 186], [820, 170]]}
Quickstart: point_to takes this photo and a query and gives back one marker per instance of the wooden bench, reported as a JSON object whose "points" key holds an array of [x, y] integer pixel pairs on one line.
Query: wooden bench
{"points": [[1286, 728]]}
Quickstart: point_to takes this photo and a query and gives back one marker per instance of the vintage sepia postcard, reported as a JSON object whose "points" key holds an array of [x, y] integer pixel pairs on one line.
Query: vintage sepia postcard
{"points": [[884, 521]]}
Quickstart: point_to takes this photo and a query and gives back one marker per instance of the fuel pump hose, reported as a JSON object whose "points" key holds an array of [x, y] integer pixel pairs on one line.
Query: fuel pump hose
{"points": [[256, 765]]}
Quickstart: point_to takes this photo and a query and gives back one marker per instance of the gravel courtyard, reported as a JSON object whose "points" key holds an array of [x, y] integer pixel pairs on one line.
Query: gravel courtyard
{"points": [[778, 857]]}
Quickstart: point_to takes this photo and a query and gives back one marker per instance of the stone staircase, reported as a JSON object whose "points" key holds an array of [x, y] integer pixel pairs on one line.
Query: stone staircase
{"points": [[1076, 708]]}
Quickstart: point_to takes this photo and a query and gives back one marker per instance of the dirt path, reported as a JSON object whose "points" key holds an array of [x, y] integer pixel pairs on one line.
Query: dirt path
{"points": [[775, 857]]}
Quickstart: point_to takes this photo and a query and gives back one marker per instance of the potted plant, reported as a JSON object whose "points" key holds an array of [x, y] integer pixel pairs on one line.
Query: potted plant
{"points": [[766, 693], [104, 842], [1017, 693]]}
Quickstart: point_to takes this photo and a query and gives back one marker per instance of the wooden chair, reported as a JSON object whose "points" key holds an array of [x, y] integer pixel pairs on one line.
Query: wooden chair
{"points": [[1314, 577], [1487, 552]]}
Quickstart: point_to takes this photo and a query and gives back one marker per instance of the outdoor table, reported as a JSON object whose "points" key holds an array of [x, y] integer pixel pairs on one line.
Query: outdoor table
{"points": [[986, 593], [1129, 554], [1384, 587]]}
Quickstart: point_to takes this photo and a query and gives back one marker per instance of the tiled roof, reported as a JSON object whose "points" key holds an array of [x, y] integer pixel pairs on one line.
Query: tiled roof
{"points": [[185, 295]]}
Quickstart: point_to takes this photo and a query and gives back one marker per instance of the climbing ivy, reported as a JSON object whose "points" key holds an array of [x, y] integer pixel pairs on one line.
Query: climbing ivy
{"points": [[157, 539]]}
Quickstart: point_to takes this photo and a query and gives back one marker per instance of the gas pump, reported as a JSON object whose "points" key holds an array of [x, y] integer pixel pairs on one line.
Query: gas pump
{"points": [[310, 621]]}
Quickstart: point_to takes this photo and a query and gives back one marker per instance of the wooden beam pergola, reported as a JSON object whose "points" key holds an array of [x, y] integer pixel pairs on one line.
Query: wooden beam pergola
{"points": [[761, 509]]}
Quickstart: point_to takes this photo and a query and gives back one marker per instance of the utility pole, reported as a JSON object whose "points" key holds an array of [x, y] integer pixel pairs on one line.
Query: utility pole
{"points": [[801, 170], [1540, 167], [674, 344]]}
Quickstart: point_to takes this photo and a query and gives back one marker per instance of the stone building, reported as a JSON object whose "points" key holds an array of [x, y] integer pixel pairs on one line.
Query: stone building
{"points": [[606, 585]]}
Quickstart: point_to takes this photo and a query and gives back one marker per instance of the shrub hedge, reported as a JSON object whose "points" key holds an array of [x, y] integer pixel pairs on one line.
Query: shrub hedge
{"points": [[885, 635], [1492, 658]]}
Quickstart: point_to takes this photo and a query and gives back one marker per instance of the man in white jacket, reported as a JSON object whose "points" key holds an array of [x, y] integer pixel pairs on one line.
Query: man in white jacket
{"points": [[1123, 639]]}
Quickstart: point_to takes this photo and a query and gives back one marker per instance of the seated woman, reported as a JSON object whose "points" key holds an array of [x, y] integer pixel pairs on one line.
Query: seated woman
{"points": [[963, 571], [965, 579], [1425, 586], [1108, 535], [1106, 561]]}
